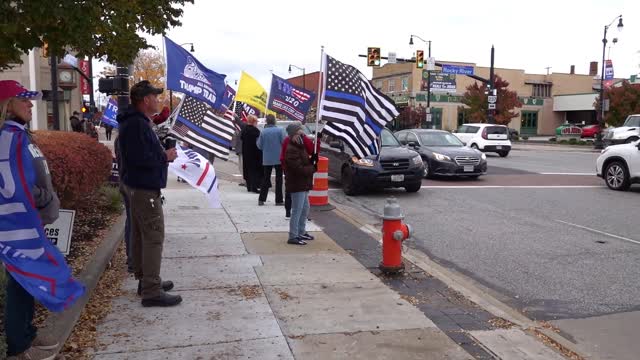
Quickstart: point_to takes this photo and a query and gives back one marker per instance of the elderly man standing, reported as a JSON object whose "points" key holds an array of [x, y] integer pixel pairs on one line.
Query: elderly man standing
{"points": [[270, 142], [144, 173]]}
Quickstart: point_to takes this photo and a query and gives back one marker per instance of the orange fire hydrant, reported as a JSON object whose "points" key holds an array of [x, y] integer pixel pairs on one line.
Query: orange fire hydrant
{"points": [[394, 232]]}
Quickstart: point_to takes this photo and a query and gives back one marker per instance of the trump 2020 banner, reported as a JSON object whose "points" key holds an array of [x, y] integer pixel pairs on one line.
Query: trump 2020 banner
{"points": [[110, 113], [25, 250], [187, 75], [289, 100]]}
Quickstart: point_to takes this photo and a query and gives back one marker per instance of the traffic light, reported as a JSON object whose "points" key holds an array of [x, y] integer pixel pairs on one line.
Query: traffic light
{"points": [[419, 59], [84, 109], [373, 56]]}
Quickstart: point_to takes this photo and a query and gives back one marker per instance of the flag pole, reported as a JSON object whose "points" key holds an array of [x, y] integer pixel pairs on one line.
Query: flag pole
{"points": [[321, 85]]}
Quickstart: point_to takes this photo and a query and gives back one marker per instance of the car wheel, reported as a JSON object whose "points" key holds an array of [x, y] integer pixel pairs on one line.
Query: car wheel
{"points": [[413, 187], [475, 146], [631, 139], [503, 153], [616, 176], [347, 182]]}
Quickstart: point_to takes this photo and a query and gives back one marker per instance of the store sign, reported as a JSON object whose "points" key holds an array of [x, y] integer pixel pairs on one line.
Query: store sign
{"points": [[60, 232], [439, 82], [571, 131]]}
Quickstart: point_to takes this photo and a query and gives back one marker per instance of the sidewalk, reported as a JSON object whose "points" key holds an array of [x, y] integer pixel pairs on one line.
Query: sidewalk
{"points": [[247, 294]]}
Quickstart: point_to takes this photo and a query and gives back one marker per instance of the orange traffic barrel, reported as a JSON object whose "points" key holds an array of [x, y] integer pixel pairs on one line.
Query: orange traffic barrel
{"points": [[319, 196]]}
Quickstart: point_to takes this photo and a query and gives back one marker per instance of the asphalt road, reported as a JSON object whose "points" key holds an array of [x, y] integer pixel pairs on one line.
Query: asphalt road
{"points": [[555, 246]]}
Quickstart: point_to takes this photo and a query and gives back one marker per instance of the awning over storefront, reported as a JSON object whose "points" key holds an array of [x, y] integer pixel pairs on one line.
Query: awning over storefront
{"points": [[574, 102]]}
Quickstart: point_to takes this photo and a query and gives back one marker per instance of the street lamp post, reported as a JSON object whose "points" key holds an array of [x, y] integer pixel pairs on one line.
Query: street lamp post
{"points": [[428, 75], [170, 91], [303, 74], [598, 144]]}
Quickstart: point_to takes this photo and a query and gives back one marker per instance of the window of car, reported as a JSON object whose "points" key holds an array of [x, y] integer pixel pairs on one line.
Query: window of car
{"points": [[412, 137], [440, 139], [632, 121], [462, 129], [388, 139], [496, 130], [472, 129]]}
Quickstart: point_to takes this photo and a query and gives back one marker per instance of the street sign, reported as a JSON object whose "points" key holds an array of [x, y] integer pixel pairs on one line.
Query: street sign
{"points": [[431, 64], [391, 58], [492, 106], [457, 69], [493, 99], [428, 117]]}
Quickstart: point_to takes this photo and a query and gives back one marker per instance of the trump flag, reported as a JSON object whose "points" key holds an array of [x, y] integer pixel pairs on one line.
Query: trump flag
{"points": [[187, 75], [198, 172], [26, 252], [289, 100]]}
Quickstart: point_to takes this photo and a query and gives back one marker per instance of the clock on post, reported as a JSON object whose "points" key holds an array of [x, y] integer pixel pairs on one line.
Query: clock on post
{"points": [[67, 78]]}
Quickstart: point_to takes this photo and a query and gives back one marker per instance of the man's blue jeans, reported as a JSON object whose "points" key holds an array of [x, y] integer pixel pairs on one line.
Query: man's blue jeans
{"points": [[19, 308], [299, 214]]}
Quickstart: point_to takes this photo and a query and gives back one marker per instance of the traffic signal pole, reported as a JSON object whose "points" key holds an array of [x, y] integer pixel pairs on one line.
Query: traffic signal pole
{"points": [[491, 115], [429, 119]]}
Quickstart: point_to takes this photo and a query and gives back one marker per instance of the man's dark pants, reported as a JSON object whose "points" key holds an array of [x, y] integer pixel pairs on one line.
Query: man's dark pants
{"points": [[266, 183], [127, 227], [19, 308], [147, 239]]}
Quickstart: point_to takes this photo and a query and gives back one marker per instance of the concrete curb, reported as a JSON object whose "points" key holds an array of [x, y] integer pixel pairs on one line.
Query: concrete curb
{"points": [[59, 326], [467, 287]]}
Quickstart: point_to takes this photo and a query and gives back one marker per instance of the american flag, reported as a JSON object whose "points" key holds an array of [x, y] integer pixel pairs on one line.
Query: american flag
{"points": [[197, 124], [353, 109], [300, 95]]}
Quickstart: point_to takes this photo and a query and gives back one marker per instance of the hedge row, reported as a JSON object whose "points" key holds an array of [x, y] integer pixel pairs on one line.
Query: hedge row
{"points": [[79, 165]]}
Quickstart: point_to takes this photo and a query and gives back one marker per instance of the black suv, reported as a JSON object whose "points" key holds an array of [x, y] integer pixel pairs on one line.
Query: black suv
{"points": [[395, 167]]}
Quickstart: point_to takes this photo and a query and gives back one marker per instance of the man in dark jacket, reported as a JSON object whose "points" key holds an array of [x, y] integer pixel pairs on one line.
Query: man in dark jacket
{"points": [[144, 174], [251, 155]]}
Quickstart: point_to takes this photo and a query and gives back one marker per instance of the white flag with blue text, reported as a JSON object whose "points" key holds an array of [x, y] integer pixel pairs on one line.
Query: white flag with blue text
{"points": [[198, 172]]}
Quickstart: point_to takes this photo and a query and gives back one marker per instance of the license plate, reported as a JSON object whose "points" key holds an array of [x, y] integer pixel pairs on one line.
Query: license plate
{"points": [[499, 147], [468, 168], [397, 178]]}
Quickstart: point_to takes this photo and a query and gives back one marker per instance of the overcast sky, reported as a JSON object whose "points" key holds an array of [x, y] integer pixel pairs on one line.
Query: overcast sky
{"points": [[258, 36]]}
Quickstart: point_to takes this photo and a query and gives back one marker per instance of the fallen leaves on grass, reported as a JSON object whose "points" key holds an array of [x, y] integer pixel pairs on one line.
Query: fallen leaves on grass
{"points": [[84, 333]]}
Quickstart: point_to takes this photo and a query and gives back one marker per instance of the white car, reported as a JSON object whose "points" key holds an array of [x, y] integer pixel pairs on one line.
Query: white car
{"points": [[485, 137], [627, 133], [619, 165]]}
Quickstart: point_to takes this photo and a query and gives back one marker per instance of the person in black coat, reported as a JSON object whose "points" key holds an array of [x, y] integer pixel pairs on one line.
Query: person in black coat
{"points": [[251, 155]]}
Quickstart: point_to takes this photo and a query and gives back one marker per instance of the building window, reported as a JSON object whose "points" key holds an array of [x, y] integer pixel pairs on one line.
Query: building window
{"points": [[461, 117], [378, 84], [541, 90], [405, 84], [392, 85]]}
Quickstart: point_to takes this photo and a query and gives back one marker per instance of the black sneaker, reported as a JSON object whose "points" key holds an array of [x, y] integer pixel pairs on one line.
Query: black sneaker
{"points": [[260, 203], [296, 241], [306, 236], [166, 286], [164, 300]]}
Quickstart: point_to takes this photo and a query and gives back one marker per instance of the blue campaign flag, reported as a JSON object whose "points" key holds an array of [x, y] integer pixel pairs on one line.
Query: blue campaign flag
{"points": [[187, 75], [287, 99], [26, 252], [110, 113], [229, 95]]}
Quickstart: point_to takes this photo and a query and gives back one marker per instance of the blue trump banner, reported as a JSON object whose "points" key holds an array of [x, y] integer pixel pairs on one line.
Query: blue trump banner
{"points": [[110, 113], [26, 252], [187, 75], [229, 95], [289, 100]]}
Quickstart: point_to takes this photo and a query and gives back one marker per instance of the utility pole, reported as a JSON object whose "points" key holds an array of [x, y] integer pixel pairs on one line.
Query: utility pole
{"points": [[55, 110], [491, 117], [429, 118]]}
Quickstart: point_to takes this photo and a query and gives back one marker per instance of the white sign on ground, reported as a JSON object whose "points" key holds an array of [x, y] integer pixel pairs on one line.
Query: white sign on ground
{"points": [[59, 233]]}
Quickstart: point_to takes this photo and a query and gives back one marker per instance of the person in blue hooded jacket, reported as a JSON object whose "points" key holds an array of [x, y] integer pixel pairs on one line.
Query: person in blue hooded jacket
{"points": [[270, 142]]}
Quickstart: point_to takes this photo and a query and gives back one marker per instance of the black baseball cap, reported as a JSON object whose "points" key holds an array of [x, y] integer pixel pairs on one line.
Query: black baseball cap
{"points": [[142, 89]]}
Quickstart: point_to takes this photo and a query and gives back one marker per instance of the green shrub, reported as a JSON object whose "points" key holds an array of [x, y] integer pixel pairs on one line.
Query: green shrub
{"points": [[563, 141], [79, 165], [111, 198], [573, 141]]}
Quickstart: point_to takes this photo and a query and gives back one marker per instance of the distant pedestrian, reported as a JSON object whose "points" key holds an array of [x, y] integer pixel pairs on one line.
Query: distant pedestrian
{"points": [[308, 145], [144, 173], [108, 130], [76, 124], [270, 142], [299, 182], [251, 155]]}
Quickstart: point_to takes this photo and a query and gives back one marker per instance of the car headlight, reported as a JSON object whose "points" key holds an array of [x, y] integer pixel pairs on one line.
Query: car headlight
{"points": [[362, 162], [417, 160], [483, 156], [441, 157]]}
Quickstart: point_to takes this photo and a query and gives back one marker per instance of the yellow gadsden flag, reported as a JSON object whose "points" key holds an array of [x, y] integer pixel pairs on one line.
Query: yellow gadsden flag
{"points": [[251, 92]]}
